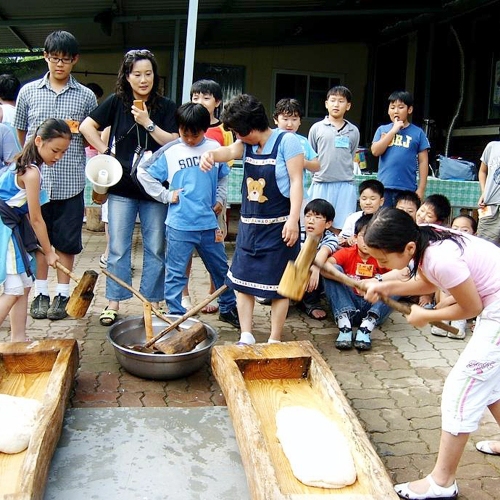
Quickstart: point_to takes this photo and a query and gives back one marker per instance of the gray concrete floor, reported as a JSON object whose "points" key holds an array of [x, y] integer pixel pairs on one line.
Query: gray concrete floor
{"points": [[147, 454]]}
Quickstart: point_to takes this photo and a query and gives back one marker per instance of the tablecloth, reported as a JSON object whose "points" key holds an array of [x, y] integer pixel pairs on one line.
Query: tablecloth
{"points": [[462, 194]]}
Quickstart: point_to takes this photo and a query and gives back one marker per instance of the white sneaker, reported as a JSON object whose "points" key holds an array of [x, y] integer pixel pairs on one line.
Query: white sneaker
{"points": [[439, 332], [186, 302], [434, 491], [460, 324]]}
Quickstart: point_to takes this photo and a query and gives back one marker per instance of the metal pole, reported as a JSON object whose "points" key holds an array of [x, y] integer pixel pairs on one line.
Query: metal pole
{"points": [[175, 62], [190, 49]]}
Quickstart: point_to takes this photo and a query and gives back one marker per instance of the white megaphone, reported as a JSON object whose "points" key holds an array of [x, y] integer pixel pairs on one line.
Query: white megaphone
{"points": [[103, 171]]}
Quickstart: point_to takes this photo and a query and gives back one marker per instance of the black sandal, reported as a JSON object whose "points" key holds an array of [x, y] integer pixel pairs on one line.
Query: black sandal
{"points": [[310, 308]]}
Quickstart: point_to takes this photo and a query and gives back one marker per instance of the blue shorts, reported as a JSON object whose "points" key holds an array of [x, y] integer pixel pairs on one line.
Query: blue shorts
{"points": [[342, 195]]}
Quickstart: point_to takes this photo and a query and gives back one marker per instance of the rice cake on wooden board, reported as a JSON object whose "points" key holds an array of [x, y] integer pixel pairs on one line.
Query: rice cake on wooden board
{"points": [[257, 380], [42, 370], [318, 452]]}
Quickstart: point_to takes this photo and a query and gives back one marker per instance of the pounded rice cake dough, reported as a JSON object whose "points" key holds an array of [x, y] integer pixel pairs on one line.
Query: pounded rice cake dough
{"points": [[18, 417], [318, 452]]}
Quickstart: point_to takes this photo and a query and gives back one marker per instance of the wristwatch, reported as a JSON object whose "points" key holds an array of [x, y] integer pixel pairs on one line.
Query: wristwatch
{"points": [[151, 127]]}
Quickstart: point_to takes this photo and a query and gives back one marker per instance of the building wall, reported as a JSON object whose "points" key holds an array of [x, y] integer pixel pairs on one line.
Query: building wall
{"points": [[99, 68], [349, 60]]}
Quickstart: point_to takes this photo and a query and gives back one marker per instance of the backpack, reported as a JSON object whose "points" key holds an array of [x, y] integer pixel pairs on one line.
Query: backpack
{"points": [[456, 169]]}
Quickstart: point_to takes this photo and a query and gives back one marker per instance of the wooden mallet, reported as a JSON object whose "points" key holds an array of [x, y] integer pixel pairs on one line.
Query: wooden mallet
{"points": [[83, 293], [294, 281], [300, 271]]}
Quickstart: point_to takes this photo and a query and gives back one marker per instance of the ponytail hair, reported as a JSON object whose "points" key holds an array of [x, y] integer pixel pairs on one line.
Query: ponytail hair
{"points": [[391, 229], [52, 128]]}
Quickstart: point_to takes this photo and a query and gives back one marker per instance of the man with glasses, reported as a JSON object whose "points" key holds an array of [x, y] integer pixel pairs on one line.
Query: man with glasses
{"points": [[58, 95]]}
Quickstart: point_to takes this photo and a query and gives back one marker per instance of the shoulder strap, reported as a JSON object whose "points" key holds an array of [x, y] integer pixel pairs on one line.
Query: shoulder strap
{"points": [[114, 109]]}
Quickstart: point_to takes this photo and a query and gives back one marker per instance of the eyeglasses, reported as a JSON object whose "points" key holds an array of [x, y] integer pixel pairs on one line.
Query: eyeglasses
{"points": [[139, 52], [57, 60], [314, 216]]}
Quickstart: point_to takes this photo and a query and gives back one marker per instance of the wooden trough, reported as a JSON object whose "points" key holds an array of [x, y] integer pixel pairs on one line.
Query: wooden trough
{"points": [[257, 381], [42, 370]]}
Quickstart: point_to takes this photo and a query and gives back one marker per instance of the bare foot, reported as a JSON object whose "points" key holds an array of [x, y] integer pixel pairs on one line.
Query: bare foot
{"points": [[211, 308], [495, 446], [318, 314]]}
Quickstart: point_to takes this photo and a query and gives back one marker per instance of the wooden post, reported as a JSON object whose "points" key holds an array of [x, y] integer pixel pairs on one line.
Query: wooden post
{"points": [[94, 222]]}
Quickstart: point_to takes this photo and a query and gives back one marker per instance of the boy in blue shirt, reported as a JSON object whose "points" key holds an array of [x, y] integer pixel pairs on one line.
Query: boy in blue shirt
{"points": [[191, 221], [288, 116], [403, 151]]}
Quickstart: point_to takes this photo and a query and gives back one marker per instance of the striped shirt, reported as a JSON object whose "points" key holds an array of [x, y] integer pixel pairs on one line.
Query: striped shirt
{"points": [[37, 102], [329, 239]]}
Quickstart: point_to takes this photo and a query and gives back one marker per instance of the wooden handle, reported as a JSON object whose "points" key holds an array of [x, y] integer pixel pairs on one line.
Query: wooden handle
{"points": [[64, 269], [187, 315], [359, 285], [148, 320], [139, 295], [307, 254], [394, 304]]}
